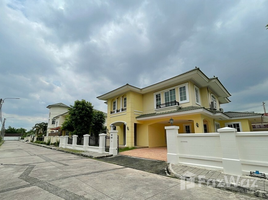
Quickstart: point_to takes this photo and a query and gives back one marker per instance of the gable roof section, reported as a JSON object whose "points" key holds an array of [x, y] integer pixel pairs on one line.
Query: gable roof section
{"points": [[195, 75], [57, 105]]}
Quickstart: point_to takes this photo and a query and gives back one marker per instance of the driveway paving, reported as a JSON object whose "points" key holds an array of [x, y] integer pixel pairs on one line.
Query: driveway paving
{"points": [[32, 172]]}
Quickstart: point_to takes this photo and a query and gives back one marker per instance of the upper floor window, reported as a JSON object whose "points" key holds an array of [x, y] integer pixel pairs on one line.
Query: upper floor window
{"points": [[197, 95], [113, 107], [125, 102], [170, 96], [158, 100], [53, 121], [183, 92], [213, 102]]}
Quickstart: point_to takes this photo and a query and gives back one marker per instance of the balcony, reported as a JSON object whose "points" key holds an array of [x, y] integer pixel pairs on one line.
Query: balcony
{"points": [[119, 110], [167, 104]]}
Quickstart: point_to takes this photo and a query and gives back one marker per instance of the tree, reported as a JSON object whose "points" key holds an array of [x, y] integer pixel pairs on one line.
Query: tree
{"points": [[40, 128], [97, 123], [80, 117], [267, 26]]}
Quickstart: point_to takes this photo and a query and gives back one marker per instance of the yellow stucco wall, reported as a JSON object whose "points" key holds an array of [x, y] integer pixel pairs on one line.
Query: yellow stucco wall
{"points": [[157, 135]]}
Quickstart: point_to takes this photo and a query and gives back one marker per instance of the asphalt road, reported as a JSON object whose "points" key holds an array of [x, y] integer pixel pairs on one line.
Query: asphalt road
{"points": [[32, 172]]}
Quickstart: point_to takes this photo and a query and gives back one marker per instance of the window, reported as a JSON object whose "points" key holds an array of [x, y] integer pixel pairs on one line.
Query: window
{"points": [[170, 96], [197, 95], [187, 128], [205, 128], [213, 102], [125, 102], [114, 106], [235, 125], [217, 126], [158, 100], [53, 121], [183, 92]]}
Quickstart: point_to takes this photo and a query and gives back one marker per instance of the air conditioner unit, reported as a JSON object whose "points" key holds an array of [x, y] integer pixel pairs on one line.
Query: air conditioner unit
{"points": [[212, 106]]}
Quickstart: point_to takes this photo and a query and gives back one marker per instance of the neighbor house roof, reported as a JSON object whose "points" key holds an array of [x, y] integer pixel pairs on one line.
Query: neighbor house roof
{"points": [[57, 105], [195, 75]]}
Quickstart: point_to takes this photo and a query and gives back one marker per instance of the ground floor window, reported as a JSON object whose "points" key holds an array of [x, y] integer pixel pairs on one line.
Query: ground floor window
{"points": [[205, 128], [187, 128], [235, 125]]}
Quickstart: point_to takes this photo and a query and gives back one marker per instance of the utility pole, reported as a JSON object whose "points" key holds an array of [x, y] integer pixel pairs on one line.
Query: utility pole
{"points": [[1, 103], [263, 104]]}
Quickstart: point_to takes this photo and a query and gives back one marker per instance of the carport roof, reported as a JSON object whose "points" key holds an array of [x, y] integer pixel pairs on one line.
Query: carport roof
{"points": [[226, 115]]}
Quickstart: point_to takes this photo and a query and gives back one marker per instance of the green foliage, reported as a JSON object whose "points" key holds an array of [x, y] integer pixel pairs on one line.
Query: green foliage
{"points": [[266, 26], [126, 149], [15, 130], [48, 142], [40, 129], [67, 125], [40, 142], [1, 141], [57, 143], [80, 118], [97, 123]]}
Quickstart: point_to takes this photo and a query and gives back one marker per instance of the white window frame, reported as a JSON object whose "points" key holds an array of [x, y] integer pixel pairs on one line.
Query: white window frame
{"points": [[115, 105], [217, 124], [213, 97], [197, 92], [169, 94], [231, 123], [187, 93], [155, 99], [124, 106], [184, 126]]}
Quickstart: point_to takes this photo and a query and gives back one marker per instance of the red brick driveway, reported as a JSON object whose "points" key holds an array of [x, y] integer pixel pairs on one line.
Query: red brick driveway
{"points": [[156, 153]]}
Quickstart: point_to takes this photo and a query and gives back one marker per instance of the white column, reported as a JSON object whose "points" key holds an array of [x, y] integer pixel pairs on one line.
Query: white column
{"points": [[172, 144], [74, 140], [86, 139], [65, 141], [61, 141], [102, 142], [230, 153], [113, 142]]}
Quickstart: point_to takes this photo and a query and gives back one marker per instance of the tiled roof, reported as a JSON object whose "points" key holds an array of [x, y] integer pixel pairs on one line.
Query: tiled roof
{"points": [[168, 112], [229, 114], [241, 114], [57, 105]]}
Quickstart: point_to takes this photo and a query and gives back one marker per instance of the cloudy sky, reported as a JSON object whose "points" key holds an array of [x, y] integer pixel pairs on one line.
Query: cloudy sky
{"points": [[61, 51]]}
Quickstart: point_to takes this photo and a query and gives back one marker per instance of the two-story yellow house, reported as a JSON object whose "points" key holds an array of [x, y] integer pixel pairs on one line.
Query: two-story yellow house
{"points": [[190, 100]]}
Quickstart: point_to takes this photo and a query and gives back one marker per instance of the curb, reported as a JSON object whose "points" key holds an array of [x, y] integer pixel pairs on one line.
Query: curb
{"points": [[62, 150], [219, 184]]}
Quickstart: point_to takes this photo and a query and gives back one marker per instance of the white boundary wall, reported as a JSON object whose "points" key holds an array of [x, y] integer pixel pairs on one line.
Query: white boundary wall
{"points": [[234, 153], [86, 147]]}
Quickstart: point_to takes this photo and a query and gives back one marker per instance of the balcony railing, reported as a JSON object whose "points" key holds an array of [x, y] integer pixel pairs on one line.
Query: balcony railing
{"points": [[168, 104], [119, 110]]}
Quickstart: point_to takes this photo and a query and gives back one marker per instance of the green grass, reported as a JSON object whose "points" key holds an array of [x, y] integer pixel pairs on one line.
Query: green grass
{"points": [[72, 150], [126, 149]]}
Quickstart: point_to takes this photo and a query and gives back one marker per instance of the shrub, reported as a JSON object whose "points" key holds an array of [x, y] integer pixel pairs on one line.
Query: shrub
{"points": [[48, 142]]}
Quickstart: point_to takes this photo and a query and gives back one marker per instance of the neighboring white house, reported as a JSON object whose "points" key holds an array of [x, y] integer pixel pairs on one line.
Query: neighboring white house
{"points": [[57, 113]]}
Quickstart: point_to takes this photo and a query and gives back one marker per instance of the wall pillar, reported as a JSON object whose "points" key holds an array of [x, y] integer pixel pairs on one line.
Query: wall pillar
{"points": [[113, 142], [61, 141], [102, 142], [230, 153], [172, 144], [65, 141], [86, 139], [74, 140]]}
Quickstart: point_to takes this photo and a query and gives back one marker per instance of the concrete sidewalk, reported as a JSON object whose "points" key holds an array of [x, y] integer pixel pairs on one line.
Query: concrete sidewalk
{"points": [[217, 179]]}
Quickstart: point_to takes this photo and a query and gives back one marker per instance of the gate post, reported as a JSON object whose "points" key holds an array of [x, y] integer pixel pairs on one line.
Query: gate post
{"points": [[102, 142], [65, 141], [113, 142], [230, 152], [86, 139], [61, 141], [172, 144], [74, 140]]}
